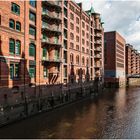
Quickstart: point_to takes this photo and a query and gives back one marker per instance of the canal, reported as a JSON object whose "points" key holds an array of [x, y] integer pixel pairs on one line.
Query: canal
{"points": [[115, 114]]}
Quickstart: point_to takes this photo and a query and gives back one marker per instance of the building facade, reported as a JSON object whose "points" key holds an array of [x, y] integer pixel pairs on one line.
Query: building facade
{"points": [[114, 61], [132, 61], [48, 42]]}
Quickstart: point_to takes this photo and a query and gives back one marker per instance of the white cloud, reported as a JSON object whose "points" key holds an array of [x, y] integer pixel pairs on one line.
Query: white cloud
{"points": [[122, 16]]}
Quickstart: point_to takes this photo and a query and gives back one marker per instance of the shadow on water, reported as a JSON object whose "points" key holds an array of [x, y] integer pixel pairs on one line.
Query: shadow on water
{"points": [[115, 114]]}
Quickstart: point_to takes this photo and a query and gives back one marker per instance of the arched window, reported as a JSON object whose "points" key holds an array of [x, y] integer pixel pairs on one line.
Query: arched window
{"points": [[87, 63], [18, 26], [71, 58], [32, 50], [18, 47], [12, 24], [12, 46], [71, 36], [83, 60], [77, 59]]}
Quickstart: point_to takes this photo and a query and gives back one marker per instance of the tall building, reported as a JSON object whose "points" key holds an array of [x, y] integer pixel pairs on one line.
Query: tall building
{"points": [[48, 42], [82, 41], [132, 61], [114, 61]]}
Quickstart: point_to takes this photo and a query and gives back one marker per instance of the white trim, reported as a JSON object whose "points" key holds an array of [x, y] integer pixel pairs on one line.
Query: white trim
{"points": [[11, 57]]}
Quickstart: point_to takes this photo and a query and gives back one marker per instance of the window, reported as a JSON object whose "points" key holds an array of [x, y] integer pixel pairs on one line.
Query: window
{"points": [[77, 47], [71, 26], [32, 31], [71, 36], [32, 16], [33, 3], [87, 51], [44, 53], [83, 32], [18, 26], [77, 20], [83, 41], [12, 24], [32, 50], [15, 8], [83, 24], [77, 38], [12, 46], [77, 29], [77, 59], [71, 16], [32, 71], [17, 47], [45, 72], [14, 70], [83, 49], [83, 61], [71, 58], [71, 45]]}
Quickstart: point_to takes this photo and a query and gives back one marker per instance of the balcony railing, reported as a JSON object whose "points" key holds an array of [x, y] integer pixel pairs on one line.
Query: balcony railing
{"points": [[55, 3], [97, 56], [52, 28], [97, 35], [52, 15], [97, 65], [98, 42], [98, 49], [55, 59], [51, 41]]}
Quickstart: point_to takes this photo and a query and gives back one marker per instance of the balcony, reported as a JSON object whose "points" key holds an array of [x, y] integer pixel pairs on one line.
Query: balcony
{"points": [[47, 61], [53, 4], [98, 29], [97, 49], [97, 56], [51, 28], [97, 66], [56, 17], [97, 35], [98, 42], [49, 42]]}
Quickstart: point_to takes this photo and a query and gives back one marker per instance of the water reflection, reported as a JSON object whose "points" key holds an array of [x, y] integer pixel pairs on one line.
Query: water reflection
{"points": [[114, 115]]}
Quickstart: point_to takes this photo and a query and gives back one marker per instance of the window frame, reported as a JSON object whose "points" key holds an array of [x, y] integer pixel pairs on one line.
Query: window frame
{"points": [[10, 23], [13, 6]]}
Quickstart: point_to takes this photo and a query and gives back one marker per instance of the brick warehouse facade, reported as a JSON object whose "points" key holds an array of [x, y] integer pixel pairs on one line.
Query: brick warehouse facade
{"points": [[42, 42], [132, 61], [114, 50]]}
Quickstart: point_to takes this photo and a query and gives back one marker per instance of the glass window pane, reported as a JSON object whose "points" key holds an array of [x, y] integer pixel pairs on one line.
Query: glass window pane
{"points": [[33, 3], [12, 24], [18, 26], [32, 16], [15, 8], [17, 47], [12, 46]]}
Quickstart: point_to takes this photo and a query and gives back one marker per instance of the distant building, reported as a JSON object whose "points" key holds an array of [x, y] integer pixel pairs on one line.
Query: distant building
{"points": [[114, 61], [132, 61]]}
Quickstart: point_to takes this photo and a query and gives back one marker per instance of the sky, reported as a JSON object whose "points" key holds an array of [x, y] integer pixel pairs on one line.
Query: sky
{"points": [[122, 16]]}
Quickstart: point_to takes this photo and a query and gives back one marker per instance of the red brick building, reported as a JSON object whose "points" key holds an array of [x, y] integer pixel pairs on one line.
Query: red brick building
{"points": [[132, 61], [114, 50], [40, 42]]}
